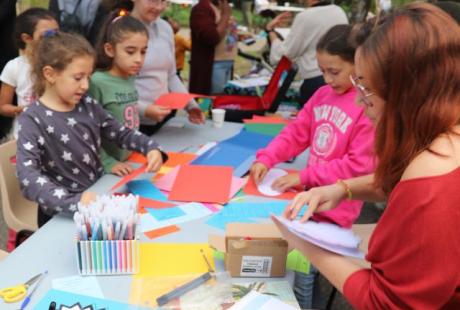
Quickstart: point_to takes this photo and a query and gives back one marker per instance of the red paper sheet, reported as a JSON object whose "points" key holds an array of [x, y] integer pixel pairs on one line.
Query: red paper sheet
{"points": [[155, 204], [129, 177], [161, 231], [266, 120], [137, 158], [177, 100], [175, 159], [251, 189], [202, 184]]}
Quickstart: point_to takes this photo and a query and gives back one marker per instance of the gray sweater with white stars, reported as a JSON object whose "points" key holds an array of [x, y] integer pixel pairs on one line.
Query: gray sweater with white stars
{"points": [[58, 152]]}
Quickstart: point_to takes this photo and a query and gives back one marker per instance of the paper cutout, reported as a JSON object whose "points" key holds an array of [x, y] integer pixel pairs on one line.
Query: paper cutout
{"points": [[192, 212], [137, 158], [266, 129], [69, 299], [167, 259], [146, 189], [163, 170], [202, 183], [152, 234], [129, 177], [325, 235], [265, 186], [177, 100], [166, 213], [251, 189], [88, 286]]}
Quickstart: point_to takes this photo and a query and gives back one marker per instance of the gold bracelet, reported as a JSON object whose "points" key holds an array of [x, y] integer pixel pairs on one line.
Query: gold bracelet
{"points": [[346, 188]]}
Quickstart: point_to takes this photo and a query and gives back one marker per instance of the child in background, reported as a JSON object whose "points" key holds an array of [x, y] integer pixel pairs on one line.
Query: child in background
{"points": [[60, 134], [181, 43], [15, 77], [120, 55], [338, 133]]}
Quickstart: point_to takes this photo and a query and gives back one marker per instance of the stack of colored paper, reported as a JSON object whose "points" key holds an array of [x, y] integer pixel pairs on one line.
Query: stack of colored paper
{"points": [[237, 152], [325, 235], [267, 125]]}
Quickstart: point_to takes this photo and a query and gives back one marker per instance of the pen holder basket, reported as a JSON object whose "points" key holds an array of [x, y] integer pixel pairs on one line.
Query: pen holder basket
{"points": [[107, 257]]}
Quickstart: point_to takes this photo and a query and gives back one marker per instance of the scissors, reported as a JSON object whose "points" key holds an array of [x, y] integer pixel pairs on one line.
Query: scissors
{"points": [[16, 293]]}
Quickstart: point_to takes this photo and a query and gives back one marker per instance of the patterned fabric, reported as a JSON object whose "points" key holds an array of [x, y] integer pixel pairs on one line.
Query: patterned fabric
{"points": [[58, 152]]}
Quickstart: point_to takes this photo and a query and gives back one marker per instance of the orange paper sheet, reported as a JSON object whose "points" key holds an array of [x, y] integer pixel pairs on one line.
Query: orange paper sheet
{"points": [[175, 159], [129, 177], [177, 100], [202, 184], [137, 158], [251, 189], [152, 234]]}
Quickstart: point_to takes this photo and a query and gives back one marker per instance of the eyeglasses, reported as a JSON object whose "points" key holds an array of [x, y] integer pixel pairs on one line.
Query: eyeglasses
{"points": [[362, 91], [158, 2]]}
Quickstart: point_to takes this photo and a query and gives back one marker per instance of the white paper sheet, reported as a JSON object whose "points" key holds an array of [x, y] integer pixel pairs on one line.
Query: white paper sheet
{"points": [[255, 300], [265, 187], [327, 236]]}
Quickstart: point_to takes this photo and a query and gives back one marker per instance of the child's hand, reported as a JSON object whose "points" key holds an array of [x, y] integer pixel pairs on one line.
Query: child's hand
{"points": [[285, 182], [258, 172], [196, 116], [154, 161], [87, 197], [156, 112], [122, 169]]}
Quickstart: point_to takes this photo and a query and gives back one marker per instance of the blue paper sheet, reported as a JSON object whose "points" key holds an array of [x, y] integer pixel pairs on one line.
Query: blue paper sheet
{"points": [[247, 212], [238, 152], [146, 189], [69, 299], [166, 213]]}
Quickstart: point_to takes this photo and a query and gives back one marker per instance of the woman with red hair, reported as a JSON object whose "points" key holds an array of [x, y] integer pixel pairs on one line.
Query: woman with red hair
{"points": [[408, 79]]}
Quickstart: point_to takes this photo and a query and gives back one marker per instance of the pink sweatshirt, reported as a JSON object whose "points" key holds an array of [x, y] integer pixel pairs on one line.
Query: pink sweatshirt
{"points": [[341, 140]]}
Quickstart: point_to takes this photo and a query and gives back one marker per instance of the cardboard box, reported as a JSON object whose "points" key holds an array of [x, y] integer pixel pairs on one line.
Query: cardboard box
{"points": [[252, 250]]}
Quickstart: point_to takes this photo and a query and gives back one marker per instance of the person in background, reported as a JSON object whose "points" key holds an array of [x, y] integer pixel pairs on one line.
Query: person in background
{"points": [[300, 44], [213, 46], [158, 75], [414, 249], [120, 55], [16, 76], [60, 137], [181, 43], [8, 50], [339, 135]]}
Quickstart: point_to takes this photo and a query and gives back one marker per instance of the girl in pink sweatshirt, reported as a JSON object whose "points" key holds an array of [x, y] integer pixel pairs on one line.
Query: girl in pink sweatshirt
{"points": [[332, 125]]}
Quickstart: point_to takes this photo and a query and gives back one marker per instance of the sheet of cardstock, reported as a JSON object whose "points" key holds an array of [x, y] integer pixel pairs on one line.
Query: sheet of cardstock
{"points": [[177, 100], [251, 189], [193, 211], [137, 158], [156, 204], [146, 189], [266, 129], [202, 184], [175, 159], [166, 213]]}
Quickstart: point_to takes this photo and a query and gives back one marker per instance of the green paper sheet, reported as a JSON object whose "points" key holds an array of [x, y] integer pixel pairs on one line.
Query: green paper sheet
{"points": [[267, 129]]}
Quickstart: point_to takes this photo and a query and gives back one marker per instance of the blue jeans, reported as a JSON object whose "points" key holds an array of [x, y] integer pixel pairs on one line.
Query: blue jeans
{"points": [[221, 74], [305, 290]]}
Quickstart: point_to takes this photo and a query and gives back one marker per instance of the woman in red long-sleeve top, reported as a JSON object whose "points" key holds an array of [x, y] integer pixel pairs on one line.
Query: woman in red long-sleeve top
{"points": [[408, 78]]}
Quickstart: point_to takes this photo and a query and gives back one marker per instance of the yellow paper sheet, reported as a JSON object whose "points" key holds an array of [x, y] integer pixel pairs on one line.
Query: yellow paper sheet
{"points": [[165, 266]]}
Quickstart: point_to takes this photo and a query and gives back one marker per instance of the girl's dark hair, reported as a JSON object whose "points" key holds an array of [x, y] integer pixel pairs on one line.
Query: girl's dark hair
{"points": [[114, 30], [27, 21], [57, 51], [337, 42]]}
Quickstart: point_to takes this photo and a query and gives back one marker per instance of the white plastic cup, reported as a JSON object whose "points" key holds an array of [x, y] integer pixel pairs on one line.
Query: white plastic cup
{"points": [[218, 116]]}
